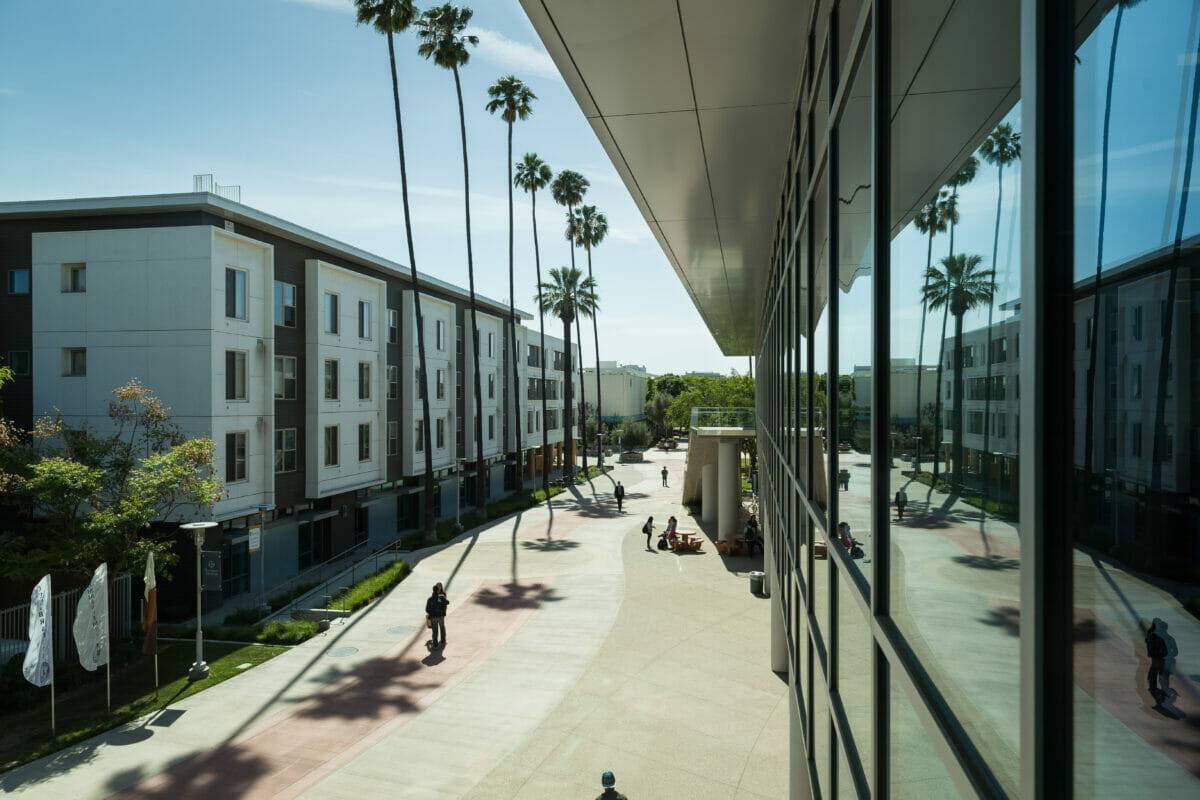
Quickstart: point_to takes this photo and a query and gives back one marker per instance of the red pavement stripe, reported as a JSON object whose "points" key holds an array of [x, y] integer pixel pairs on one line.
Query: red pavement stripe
{"points": [[296, 748]]}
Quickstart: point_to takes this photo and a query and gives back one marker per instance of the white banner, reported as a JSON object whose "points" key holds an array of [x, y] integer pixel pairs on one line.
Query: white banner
{"points": [[39, 658], [91, 621]]}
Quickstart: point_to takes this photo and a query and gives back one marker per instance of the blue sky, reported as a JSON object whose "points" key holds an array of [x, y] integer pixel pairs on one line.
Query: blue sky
{"points": [[291, 100]]}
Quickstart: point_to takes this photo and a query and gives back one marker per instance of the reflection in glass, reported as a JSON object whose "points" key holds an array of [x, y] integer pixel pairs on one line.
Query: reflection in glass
{"points": [[1136, 382], [820, 731], [914, 768], [854, 674]]}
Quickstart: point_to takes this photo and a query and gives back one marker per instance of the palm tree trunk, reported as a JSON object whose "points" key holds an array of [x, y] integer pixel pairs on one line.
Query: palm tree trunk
{"points": [[582, 392], [537, 260], [957, 461], [427, 511], [596, 339], [480, 467], [986, 455], [921, 346], [512, 326], [568, 439], [1089, 417], [937, 406]]}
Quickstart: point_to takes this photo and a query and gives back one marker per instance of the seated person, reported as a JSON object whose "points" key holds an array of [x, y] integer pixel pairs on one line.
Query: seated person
{"points": [[750, 536], [852, 545]]}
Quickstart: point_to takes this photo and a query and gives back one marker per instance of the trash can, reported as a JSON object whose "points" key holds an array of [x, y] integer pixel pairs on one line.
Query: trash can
{"points": [[756, 582]]}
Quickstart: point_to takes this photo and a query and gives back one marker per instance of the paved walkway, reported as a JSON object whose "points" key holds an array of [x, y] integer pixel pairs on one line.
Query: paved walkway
{"points": [[572, 650]]}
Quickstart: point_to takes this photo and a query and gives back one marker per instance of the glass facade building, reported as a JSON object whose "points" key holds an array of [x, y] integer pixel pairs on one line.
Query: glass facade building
{"points": [[975, 331]]}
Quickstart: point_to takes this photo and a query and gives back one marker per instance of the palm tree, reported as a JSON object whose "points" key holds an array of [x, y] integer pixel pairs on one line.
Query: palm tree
{"points": [[512, 97], [533, 174], [958, 287], [390, 17], [567, 295], [931, 219], [443, 40], [1001, 148], [589, 228], [568, 190]]}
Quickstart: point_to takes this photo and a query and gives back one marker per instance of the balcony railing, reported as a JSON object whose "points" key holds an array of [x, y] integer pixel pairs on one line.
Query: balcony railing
{"points": [[739, 418]]}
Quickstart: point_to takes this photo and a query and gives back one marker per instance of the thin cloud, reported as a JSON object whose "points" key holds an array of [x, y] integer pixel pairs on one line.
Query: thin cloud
{"points": [[514, 56], [326, 5]]}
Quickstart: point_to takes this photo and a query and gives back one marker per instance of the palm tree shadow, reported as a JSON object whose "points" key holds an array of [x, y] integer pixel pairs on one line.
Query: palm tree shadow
{"points": [[1009, 618], [515, 596], [988, 562]]}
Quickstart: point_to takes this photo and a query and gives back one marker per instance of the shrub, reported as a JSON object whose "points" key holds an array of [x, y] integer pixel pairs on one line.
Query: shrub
{"points": [[366, 590], [291, 631]]}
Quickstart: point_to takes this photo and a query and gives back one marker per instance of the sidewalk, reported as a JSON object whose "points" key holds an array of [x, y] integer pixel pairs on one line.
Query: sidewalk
{"points": [[572, 650]]}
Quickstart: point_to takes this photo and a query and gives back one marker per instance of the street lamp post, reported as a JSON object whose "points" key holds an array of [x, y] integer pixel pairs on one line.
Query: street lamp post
{"points": [[199, 668], [263, 508], [458, 468]]}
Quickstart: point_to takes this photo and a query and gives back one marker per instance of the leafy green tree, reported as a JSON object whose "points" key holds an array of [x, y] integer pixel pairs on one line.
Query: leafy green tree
{"points": [[391, 17], [635, 436], [589, 227], [84, 497], [532, 175], [567, 295], [958, 287], [568, 190], [704, 392], [512, 98], [441, 31], [656, 413]]}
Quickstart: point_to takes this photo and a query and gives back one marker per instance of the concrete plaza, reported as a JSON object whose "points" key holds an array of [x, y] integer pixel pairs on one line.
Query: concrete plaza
{"points": [[572, 649]]}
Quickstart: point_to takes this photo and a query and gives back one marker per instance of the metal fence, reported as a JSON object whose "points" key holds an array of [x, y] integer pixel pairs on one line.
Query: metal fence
{"points": [[14, 621]]}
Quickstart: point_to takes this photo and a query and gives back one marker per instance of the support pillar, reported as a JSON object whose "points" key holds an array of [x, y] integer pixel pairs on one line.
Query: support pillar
{"points": [[729, 490], [708, 493]]}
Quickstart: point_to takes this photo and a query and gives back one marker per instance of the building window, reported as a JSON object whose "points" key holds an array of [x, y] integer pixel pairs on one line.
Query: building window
{"points": [[74, 362], [18, 360], [393, 382], [364, 380], [393, 437], [235, 375], [458, 339], [331, 445], [18, 281], [74, 278], [441, 432], [534, 357], [364, 441], [459, 384], [419, 435], [393, 317], [235, 293], [235, 457], [285, 377], [331, 379], [491, 386], [491, 345], [1135, 327], [420, 384], [331, 312], [1135, 440], [529, 426], [491, 427], [441, 335], [441, 384], [364, 319], [1135, 382], [285, 304], [285, 449]]}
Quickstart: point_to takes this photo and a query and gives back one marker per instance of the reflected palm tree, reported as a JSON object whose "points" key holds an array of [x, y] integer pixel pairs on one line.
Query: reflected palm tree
{"points": [[958, 287], [931, 220], [443, 39], [567, 296], [391, 17], [1001, 148], [512, 98], [533, 174]]}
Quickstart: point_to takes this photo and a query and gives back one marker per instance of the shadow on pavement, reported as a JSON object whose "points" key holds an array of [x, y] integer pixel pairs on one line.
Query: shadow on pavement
{"points": [[515, 596]]}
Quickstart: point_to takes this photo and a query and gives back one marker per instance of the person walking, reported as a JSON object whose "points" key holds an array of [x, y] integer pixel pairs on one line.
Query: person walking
{"points": [[664, 476], [609, 783], [435, 608], [1156, 649], [901, 502], [648, 529], [619, 493]]}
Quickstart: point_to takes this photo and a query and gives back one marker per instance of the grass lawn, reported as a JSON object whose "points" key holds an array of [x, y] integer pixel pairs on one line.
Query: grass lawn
{"points": [[82, 713]]}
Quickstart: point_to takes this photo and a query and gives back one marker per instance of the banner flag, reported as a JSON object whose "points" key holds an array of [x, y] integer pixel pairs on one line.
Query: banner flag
{"points": [[39, 658], [91, 621], [150, 610]]}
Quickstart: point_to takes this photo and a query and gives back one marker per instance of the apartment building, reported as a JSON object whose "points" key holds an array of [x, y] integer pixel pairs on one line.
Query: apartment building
{"points": [[622, 390], [296, 353]]}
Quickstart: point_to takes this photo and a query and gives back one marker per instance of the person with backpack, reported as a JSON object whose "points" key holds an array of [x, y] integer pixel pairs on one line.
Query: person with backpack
{"points": [[619, 493], [648, 529], [435, 609], [901, 502]]}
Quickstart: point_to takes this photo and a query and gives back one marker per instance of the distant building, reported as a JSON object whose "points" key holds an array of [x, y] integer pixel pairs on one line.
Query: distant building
{"points": [[904, 377], [622, 390]]}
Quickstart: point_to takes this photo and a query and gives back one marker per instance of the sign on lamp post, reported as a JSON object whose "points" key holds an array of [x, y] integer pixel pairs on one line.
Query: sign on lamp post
{"points": [[198, 530], [263, 508]]}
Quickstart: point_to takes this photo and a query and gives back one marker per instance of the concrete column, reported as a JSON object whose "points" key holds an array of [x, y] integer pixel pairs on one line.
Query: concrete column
{"points": [[708, 493], [799, 787], [728, 490]]}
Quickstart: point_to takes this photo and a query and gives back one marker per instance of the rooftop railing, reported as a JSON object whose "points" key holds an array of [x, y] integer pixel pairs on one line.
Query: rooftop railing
{"points": [[739, 418]]}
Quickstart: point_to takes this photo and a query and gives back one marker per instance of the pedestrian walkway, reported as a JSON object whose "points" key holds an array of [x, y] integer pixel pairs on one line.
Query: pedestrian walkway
{"points": [[571, 651]]}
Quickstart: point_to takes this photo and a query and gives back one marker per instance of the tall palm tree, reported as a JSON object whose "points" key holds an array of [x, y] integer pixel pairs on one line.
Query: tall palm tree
{"points": [[958, 287], [930, 220], [391, 17], [442, 39], [567, 295], [533, 174], [1002, 147], [568, 190], [512, 98], [590, 227]]}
